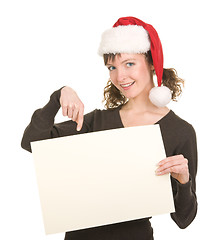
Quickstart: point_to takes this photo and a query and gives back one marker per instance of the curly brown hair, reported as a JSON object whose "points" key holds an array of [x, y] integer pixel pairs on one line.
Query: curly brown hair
{"points": [[114, 98]]}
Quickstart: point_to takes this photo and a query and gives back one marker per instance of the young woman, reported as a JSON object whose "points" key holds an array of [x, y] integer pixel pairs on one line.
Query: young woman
{"points": [[133, 54]]}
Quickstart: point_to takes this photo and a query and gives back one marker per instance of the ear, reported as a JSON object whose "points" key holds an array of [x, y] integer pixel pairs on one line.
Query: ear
{"points": [[152, 67]]}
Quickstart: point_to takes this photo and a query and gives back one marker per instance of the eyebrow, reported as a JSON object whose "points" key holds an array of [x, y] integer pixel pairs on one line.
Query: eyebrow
{"points": [[126, 60]]}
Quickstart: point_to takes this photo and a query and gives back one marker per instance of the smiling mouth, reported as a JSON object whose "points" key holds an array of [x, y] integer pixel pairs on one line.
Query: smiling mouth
{"points": [[126, 85]]}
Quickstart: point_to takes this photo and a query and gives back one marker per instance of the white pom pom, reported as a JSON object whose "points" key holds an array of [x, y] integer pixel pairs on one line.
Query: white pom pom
{"points": [[160, 96]]}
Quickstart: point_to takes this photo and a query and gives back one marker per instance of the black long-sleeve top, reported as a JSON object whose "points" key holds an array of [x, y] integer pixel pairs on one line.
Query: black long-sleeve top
{"points": [[178, 136]]}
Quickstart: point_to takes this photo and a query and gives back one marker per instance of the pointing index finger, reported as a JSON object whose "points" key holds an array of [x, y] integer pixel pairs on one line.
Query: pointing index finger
{"points": [[80, 119]]}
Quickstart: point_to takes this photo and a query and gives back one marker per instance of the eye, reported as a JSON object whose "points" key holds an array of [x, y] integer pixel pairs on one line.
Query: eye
{"points": [[130, 64], [111, 68]]}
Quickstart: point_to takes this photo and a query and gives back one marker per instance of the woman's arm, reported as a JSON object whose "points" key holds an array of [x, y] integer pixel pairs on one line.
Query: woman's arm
{"points": [[42, 122], [183, 169]]}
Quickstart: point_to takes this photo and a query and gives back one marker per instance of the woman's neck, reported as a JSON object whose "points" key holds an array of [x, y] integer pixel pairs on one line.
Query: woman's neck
{"points": [[139, 112], [140, 103]]}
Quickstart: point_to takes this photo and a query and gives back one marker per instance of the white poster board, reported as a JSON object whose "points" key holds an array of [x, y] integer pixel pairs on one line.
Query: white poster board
{"points": [[101, 178]]}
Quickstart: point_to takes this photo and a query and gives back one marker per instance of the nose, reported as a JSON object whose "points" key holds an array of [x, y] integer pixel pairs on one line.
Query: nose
{"points": [[121, 75]]}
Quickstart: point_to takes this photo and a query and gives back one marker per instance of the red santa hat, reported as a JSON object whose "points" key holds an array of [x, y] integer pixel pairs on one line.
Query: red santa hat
{"points": [[131, 35]]}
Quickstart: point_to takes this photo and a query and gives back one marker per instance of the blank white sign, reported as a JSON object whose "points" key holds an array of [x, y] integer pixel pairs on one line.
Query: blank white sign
{"points": [[101, 178]]}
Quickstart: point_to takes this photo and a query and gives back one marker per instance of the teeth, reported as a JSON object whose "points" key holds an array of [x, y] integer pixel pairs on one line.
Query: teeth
{"points": [[126, 85]]}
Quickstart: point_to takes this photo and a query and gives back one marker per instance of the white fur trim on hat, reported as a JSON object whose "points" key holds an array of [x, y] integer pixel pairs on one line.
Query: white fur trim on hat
{"points": [[124, 39], [160, 96]]}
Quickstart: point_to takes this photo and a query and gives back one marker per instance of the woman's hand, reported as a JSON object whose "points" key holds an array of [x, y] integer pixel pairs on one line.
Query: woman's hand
{"points": [[177, 166], [72, 106]]}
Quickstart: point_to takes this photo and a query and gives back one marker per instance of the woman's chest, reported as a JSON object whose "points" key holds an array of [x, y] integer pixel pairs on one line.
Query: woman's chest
{"points": [[138, 119]]}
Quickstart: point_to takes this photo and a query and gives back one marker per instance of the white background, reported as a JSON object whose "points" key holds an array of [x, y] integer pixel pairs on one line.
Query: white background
{"points": [[45, 45]]}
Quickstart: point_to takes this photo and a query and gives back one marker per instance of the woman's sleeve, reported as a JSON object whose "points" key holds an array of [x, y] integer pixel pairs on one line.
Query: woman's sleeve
{"points": [[42, 125], [185, 194]]}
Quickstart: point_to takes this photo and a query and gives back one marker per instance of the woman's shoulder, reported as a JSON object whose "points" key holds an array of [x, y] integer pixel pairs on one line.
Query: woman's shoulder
{"points": [[103, 119], [176, 133], [176, 124], [102, 112]]}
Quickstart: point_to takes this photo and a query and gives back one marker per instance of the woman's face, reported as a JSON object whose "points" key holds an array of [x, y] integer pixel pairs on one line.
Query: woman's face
{"points": [[131, 74]]}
